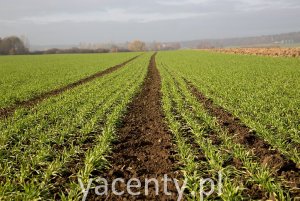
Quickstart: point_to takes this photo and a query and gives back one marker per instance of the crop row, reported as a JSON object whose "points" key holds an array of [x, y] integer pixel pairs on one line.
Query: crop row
{"points": [[46, 148], [261, 91], [23, 77], [205, 148]]}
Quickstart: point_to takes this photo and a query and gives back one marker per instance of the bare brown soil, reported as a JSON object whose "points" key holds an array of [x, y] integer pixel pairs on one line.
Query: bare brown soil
{"points": [[285, 52], [6, 112], [278, 163], [144, 147]]}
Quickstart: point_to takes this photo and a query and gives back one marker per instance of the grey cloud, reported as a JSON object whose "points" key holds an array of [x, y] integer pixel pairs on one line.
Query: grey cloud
{"points": [[72, 21], [113, 15]]}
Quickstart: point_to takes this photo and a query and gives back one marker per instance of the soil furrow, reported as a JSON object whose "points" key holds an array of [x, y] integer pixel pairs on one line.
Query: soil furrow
{"points": [[277, 162], [144, 148], [251, 190], [8, 111]]}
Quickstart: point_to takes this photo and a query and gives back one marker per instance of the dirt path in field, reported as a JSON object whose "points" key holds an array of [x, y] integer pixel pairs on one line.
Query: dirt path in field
{"points": [[6, 112], [277, 162], [144, 148]]}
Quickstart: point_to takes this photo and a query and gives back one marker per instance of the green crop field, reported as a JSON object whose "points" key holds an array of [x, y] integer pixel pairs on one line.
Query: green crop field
{"points": [[237, 116], [38, 144], [261, 91], [23, 77]]}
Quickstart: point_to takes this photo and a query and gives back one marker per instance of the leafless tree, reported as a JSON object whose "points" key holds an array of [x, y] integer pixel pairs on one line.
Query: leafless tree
{"points": [[137, 46]]}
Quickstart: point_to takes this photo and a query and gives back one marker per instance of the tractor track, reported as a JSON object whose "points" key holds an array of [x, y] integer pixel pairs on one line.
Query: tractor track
{"points": [[144, 147], [8, 111]]}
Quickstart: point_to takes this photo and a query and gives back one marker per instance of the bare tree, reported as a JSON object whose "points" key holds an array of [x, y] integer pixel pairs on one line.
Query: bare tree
{"points": [[137, 46], [155, 46]]}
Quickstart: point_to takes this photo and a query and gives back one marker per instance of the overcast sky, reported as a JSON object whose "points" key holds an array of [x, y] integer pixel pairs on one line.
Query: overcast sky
{"points": [[74, 21]]}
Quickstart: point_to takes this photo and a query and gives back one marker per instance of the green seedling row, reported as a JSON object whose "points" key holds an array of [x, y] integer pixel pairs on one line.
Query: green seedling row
{"points": [[23, 77], [262, 91], [202, 125], [76, 127]]}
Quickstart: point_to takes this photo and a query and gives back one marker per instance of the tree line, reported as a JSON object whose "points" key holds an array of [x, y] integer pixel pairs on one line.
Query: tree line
{"points": [[13, 45]]}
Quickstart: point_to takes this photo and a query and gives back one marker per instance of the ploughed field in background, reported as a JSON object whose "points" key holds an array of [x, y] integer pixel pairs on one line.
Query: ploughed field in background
{"points": [[285, 52]]}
